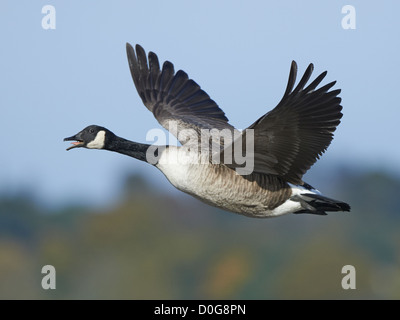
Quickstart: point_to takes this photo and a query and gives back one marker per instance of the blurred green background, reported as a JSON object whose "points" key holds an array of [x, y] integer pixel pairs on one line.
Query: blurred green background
{"points": [[154, 245]]}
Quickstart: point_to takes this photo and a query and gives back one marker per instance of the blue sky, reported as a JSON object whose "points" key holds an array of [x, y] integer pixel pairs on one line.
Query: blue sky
{"points": [[55, 82]]}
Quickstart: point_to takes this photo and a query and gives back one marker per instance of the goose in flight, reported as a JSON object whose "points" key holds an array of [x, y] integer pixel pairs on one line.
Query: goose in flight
{"points": [[281, 145]]}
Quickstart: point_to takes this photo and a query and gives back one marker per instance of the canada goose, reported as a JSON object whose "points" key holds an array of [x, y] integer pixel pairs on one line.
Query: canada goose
{"points": [[287, 141]]}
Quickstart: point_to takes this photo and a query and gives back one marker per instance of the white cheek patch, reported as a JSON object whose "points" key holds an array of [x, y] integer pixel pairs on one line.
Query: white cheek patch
{"points": [[98, 142]]}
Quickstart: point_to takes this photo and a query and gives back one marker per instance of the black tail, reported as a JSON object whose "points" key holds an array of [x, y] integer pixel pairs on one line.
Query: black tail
{"points": [[317, 204]]}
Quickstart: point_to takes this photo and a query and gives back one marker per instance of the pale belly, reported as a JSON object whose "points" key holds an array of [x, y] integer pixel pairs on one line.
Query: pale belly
{"points": [[219, 186]]}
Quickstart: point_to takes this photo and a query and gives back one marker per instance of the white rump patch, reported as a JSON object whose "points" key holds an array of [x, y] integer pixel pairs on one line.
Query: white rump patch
{"points": [[289, 206], [98, 142]]}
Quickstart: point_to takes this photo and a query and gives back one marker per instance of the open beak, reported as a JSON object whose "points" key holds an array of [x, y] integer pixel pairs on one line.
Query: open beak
{"points": [[78, 142]]}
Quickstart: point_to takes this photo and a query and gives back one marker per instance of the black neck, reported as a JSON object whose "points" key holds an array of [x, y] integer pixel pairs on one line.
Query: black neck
{"points": [[129, 148]]}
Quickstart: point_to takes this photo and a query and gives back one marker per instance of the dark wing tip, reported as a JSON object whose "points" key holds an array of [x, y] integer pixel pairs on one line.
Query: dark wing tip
{"points": [[292, 78], [168, 65], [140, 49], [129, 51]]}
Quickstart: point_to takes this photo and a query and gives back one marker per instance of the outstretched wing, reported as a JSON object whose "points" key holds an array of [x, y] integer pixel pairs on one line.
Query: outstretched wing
{"points": [[289, 139], [177, 102]]}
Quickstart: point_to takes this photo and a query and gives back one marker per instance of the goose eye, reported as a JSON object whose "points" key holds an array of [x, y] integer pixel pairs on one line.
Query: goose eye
{"points": [[91, 130]]}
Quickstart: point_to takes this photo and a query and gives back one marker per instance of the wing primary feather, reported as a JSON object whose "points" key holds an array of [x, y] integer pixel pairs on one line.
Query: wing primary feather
{"points": [[142, 60], [304, 79], [316, 82], [154, 68], [133, 66], [177, 82], [165, 77], [292, 78], [325, 88]]}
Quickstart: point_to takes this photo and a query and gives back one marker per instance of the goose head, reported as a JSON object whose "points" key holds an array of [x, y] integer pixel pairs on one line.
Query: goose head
{"points": [[92, 137]]}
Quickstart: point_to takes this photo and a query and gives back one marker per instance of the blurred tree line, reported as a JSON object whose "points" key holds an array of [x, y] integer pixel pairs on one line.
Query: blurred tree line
{"points": [[151, 245]]}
